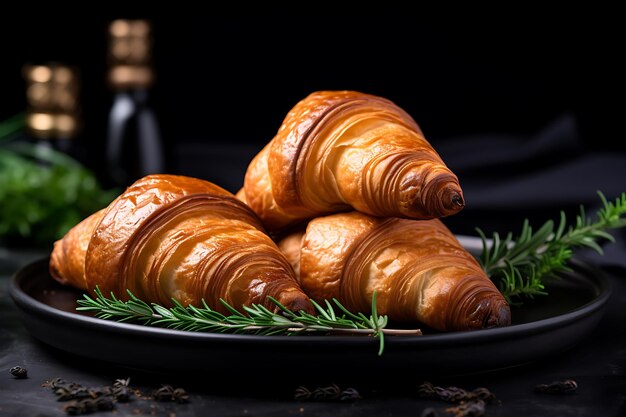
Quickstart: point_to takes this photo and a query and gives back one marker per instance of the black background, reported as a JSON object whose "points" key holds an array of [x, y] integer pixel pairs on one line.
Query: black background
{"points": [[225, 78]]}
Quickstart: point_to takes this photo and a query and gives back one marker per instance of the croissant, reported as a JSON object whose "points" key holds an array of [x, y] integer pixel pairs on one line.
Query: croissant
{"points": [[177, 237], [418, 269], [338, 150]]}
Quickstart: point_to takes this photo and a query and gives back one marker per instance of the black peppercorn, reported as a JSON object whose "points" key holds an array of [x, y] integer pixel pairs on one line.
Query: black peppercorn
{"points": [[558, 387], [19, 372]]}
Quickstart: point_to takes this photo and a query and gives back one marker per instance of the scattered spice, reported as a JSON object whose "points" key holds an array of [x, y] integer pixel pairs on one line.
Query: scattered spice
{"points": [[474, 408], [349, 394], [329, 393], [89, 405], [169, 393], [66, 391], [121, 391], [455, 394], [19, 372], [83, 400], [567, 386]]}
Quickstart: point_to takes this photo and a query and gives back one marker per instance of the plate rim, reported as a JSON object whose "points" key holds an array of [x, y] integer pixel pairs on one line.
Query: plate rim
{"points": [[26, 302]]}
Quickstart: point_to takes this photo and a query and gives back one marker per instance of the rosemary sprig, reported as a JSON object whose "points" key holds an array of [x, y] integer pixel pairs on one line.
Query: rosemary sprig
{"points": [[255, 319], [520, 266]]}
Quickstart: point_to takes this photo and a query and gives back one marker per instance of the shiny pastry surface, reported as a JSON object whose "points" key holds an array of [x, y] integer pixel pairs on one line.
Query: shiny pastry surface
{"points": [[342, 150], [418, 269], [177, 237]]}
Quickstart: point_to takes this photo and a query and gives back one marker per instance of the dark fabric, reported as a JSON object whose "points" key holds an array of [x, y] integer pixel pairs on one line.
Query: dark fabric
{"points": [[550, 169], [507, 179]]}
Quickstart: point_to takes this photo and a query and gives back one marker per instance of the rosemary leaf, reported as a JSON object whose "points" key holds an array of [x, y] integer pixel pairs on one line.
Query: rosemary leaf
{"points": [[255, 319], [520, 267]]}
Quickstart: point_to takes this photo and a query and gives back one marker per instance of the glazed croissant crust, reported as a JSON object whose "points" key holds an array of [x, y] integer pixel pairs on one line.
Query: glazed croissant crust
{"points": [[341, 150], [417, 268], [177, 237]]}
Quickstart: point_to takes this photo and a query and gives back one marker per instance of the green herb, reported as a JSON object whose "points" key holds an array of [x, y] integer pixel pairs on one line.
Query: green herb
{"points": [[11, 126], [255, 319], [521, 265], [43, 192]]}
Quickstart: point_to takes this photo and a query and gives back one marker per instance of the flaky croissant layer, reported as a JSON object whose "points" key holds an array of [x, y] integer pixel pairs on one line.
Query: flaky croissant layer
{"points": [[417, 268], [177, 237], [338, 150]]}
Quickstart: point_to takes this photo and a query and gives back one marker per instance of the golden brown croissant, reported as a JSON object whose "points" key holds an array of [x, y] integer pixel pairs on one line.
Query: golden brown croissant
{"points": [[338, 150], [177, 237], [417, 268]]}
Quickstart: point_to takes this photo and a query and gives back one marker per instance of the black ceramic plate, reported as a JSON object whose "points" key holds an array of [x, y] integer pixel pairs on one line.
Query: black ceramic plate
{"points": [[547, 326]]}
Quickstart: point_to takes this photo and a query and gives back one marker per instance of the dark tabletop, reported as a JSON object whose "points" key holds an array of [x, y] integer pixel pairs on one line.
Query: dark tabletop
{"points": [[561, 176]]}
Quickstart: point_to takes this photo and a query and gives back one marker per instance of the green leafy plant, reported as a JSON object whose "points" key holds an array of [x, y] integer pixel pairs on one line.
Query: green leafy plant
{"points": [[255, 319], [43, 192], [521, 265], [11, 126]]}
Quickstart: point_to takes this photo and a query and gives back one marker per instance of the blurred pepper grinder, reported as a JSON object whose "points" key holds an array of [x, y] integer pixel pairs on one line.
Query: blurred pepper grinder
{"points": [[134, 146], [52, 116]]}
